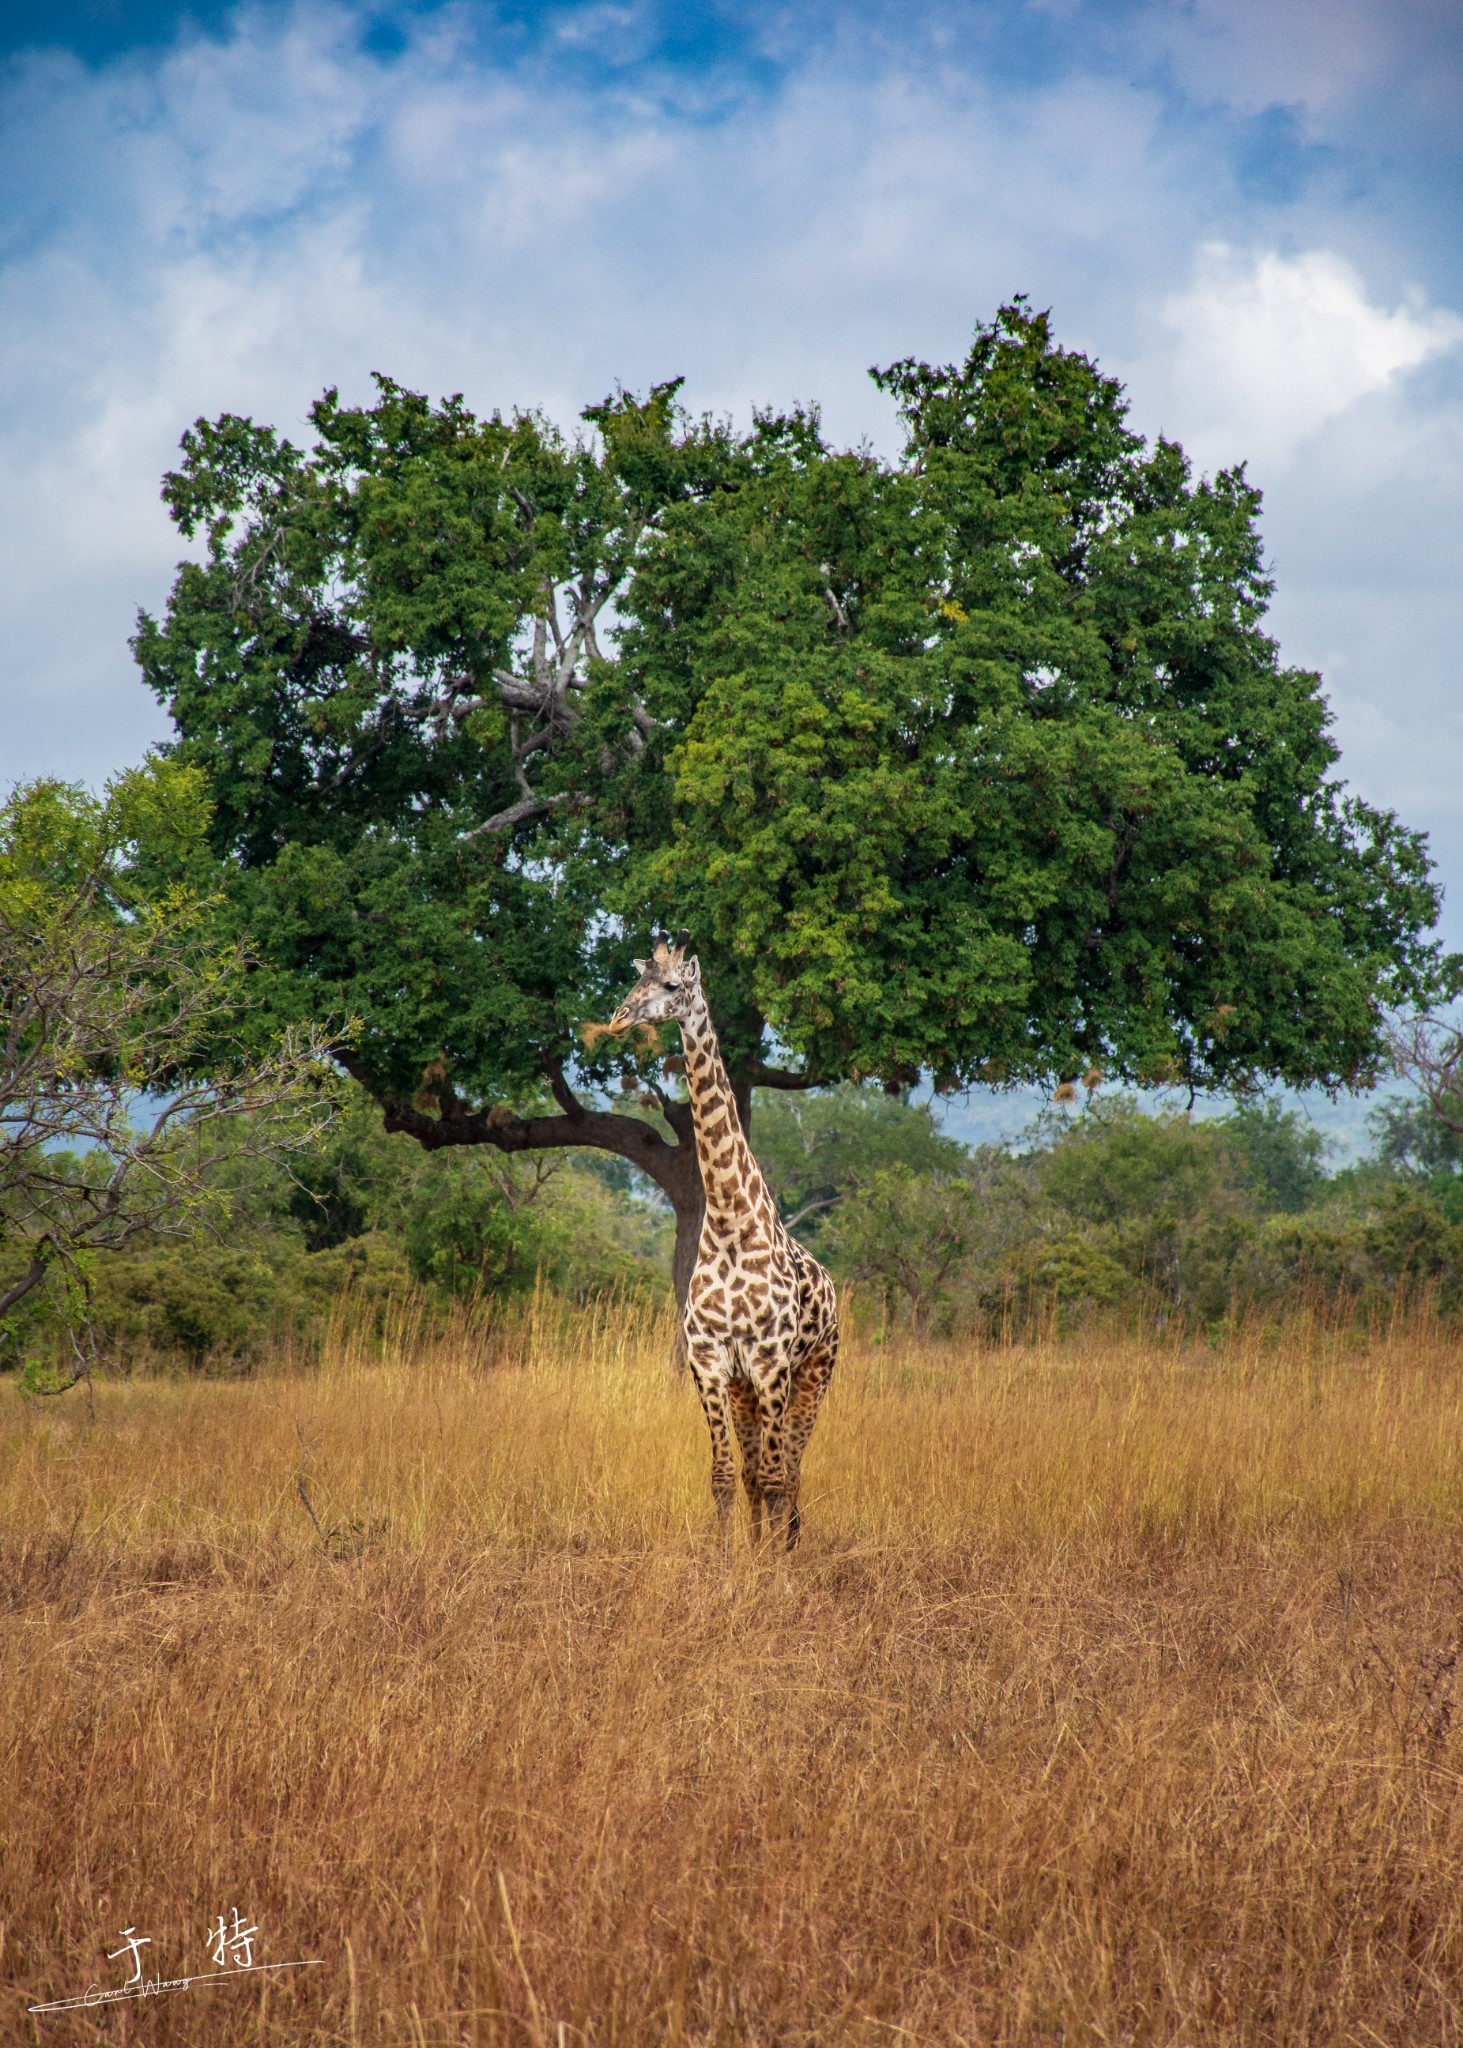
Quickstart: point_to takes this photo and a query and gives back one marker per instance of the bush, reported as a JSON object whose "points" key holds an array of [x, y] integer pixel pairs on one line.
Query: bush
{"points": [[817, 1149], [482, 1224], [225, 1306], [1121, 1212], [367, 1213], [1114, 1212]]}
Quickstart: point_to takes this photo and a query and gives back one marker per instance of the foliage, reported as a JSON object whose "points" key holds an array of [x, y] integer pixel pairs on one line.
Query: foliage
{"points": [[366, 1214], [909, 1232], [1119, 1211], [1117, 1165], [472, 1222], [1113, 1212], [110, 988], [815, 1148], [479, 1224], [1284, 1155], [978, 763], [1413, 1138], [389, 633], [1418, 1140], [219, 1306], [989, 768]]}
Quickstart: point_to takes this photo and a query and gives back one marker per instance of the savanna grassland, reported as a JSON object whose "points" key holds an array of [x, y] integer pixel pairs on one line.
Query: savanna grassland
{"points": [[1110, 1698]]}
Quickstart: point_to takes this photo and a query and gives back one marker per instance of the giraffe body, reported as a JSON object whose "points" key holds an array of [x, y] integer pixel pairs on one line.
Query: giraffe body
{"points": [[761, 1321]]}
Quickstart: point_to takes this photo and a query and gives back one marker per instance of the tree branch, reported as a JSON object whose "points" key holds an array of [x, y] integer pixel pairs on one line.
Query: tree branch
{"points": [[563, 1094], [602, 1130], [814, 1208], [531, 806], [515, 694], [837, 609], [1429, 1051], [760, 1076], [29, 1280]]}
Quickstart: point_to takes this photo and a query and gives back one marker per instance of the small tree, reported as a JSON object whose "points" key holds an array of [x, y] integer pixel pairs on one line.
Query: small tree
{"points": [[1412, 1138], [1427, 1049], [815, 1149], [909, 1233], [109, 990], [1284, 1155]]}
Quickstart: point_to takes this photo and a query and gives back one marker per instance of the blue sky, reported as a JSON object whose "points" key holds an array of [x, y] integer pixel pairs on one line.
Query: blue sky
{"points": [[1249, 211]]}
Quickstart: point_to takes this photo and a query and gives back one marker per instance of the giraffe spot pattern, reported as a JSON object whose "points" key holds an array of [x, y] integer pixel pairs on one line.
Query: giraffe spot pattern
{"points": [[761, 1319]]}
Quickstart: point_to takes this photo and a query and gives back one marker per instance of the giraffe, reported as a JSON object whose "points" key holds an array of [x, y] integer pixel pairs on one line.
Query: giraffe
{"points": [[761, 1318]]}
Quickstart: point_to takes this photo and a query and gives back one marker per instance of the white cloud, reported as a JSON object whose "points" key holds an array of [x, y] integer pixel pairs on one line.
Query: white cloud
{"points": [[1316, 53], [244, 220], [1339, 62], [1268, 349], [247, 220]]}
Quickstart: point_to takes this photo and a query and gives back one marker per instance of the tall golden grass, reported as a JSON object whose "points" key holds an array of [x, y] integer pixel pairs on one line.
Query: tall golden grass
{"points": [[1110, 1698]]}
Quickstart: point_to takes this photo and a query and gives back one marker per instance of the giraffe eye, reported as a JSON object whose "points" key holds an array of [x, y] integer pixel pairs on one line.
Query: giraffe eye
{"points": [[672, 986]]}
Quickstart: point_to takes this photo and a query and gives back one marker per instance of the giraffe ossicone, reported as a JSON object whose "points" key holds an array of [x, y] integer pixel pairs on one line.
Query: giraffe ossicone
{"points": [[761, 1319]]}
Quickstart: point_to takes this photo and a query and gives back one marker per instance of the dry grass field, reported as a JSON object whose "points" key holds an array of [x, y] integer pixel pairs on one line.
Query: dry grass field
{"points": [[1110, 1698]]}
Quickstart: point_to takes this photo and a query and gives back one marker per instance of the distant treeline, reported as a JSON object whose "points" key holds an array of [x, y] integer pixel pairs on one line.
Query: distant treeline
{"points": [[1111, 1210], [1104, 1211]]}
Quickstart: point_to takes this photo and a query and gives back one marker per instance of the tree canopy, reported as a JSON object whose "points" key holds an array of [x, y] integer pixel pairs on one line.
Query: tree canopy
{"points": [[977, 762]]}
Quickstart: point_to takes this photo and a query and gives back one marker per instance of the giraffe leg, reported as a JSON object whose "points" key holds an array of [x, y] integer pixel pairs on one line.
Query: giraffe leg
{"points": [[708, 1370], [810, 1379], [748, 1423], [771, 1384]]}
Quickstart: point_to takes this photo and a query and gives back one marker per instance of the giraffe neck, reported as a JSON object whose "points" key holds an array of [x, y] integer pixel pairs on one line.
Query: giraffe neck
{"points": [[739, 1204]]}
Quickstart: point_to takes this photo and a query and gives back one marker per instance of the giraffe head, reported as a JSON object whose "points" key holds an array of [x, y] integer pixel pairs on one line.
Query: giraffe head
{"points": [[669, 984]]}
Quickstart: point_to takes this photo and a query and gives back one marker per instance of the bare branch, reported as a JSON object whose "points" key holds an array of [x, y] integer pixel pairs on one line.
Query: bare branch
{"points": [[516, 695], [29, 1280], [531, 807], [837, 609], [551, 603], [603, 1130], [1428, 1051], [534, 744]]}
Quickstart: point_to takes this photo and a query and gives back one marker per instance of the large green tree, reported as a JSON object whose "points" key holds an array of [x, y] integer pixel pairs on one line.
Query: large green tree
{"points": [[975, 763]]}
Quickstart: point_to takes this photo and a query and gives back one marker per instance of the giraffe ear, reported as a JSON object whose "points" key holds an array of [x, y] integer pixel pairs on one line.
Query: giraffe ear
{"points": [[639, 965]]}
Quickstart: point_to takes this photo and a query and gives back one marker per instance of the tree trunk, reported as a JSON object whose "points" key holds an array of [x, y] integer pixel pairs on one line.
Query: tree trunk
{"points": [[677, 1172], [742, 1096], [689, 1214], [680, 1180]]}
